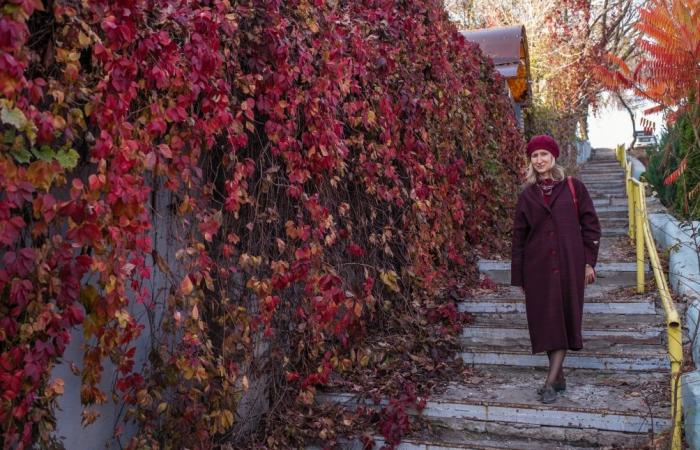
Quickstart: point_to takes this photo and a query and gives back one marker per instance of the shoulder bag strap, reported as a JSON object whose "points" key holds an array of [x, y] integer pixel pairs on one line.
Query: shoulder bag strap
{"points": [[570, 182]]}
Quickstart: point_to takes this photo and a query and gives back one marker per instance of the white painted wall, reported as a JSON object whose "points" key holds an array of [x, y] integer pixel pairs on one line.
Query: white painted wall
{"points": [[99, 435]]}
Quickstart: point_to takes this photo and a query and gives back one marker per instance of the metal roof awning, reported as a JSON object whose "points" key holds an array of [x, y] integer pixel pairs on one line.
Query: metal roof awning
{"points": [[507, 47]]}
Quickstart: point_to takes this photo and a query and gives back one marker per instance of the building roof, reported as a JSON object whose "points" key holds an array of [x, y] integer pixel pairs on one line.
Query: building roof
{"points": [[507, 47]]}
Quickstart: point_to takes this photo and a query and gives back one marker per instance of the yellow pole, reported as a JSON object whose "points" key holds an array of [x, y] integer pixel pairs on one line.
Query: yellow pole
{"points": [[675, 350], [639, 234]]}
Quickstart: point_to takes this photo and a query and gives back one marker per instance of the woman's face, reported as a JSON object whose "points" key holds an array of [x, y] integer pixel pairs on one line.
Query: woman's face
{"points": [[542, 161]]}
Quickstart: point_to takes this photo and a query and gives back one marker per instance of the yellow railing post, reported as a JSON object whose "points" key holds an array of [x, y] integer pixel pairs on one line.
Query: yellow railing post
{"points": [[639, 200], [675, 350]]}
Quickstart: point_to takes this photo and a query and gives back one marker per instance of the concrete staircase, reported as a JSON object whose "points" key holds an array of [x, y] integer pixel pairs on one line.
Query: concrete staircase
{"points": [[617, 385]]}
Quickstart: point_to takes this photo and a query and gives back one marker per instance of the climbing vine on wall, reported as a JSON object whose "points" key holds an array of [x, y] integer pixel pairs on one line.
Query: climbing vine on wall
{"points": [[330, 164]]}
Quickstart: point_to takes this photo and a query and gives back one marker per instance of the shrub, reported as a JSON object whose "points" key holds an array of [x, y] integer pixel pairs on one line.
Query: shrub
{"points": [[677, 142]]}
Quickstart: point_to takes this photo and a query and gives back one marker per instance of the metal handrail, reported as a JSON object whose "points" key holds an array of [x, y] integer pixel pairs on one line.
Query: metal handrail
{"points": [[641, 237]]}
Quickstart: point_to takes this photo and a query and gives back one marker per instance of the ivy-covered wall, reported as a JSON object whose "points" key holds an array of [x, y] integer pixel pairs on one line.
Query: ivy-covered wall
{"points": [[333, 169]]}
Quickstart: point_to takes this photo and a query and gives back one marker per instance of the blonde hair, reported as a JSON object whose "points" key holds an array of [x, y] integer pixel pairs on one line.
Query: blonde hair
{"points": [[531, 176]]}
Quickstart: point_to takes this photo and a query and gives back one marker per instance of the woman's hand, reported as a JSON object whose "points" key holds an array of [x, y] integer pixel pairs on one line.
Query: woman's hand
{"points": [[590, 274]]}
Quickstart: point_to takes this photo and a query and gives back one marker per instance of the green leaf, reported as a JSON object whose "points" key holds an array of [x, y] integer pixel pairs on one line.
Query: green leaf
{"points": [[21, 155], [8, 138], [44, 153], [13, 116], [68, 158]]}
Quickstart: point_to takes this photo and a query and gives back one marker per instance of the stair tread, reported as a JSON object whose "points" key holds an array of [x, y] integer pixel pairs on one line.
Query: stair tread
{"points": [[626, 266], [595, 346], [600, 322], [442, 438], [534, 437], [609, 401], [592, 293], [621, 350]]}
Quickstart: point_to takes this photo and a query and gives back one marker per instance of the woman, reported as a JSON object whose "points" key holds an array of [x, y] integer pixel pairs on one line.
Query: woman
{"points": [[556, 235]]}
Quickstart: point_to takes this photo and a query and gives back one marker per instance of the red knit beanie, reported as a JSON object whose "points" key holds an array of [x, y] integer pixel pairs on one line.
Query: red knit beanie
{"points": [[543, 142]]}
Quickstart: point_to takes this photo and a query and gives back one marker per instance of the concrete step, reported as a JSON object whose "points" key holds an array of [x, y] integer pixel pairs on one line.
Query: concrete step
{"points": [[594, 401], [601, 167], [611, 211], [479, 435], [601, 163], [601, 171], [616, 248], [483, 435], [587, 176], [619, 201], [603, 177], [604, 180], [608, 195], [592, 293], [612, 214], [615, 222], [623, 360], [637, 326], [609, 183], [512, 339], [610, 231], [441, 439], [518, 306], [607, 191], [608, 273], [597, 173], [609, 200]]}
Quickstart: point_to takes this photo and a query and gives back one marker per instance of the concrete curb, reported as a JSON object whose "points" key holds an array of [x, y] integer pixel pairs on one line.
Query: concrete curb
{"points": [[684, 269], [637, 167], [690, 388]]}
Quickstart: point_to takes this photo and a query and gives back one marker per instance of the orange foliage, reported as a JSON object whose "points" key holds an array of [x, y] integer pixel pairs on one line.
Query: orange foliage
{"points": [[668, 72]]}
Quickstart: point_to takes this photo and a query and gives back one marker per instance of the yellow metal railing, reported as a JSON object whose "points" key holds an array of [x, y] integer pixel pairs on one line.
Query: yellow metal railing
{"points": [[641, 237]]}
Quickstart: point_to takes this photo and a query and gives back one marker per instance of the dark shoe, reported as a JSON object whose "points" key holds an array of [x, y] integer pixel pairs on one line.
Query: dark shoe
{"points": [[558, 387], [548, 395]]}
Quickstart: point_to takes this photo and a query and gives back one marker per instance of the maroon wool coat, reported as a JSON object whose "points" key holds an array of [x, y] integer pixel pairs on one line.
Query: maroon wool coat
{"points": [[550, 250]]}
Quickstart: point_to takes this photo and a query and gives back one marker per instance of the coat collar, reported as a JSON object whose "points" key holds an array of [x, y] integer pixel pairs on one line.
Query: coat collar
{"points": [[539, 197]]}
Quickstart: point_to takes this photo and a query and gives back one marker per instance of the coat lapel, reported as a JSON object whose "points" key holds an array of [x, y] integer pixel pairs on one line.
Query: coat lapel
{"points": [[556, 192], [536, 195]]}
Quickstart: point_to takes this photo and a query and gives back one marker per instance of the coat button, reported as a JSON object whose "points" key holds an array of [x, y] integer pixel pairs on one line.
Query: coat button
{"points": [[551, 233], [552, 252], [555, 270]]}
